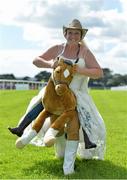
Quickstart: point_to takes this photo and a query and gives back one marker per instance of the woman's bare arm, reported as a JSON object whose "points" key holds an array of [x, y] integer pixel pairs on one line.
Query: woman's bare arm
{"points": [[46, 60], [92, 68]]}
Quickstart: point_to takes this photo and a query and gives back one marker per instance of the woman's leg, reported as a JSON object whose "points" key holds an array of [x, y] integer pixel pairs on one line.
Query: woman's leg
{"points": [[28, 118]]}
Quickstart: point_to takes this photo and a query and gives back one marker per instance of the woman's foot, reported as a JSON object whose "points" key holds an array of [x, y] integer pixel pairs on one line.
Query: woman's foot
{"points": [[90, 145], [15, 131]]}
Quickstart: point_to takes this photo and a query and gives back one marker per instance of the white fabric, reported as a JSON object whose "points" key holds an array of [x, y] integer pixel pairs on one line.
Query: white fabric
{"points": [[90, 118]]}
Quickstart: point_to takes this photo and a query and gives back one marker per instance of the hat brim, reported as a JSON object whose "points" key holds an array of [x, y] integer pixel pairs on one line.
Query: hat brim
{"points": [[84, 31]]}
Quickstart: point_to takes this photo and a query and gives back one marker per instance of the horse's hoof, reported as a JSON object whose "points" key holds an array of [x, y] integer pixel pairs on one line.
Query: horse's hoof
{"points": [[19, 144], [50, 142]]}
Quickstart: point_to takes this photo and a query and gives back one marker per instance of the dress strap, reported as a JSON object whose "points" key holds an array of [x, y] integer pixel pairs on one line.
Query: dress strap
{"points": [[78, 54]]}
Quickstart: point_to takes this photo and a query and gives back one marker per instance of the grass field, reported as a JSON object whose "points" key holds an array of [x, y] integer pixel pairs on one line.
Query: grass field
{"points": [[40, 163]]}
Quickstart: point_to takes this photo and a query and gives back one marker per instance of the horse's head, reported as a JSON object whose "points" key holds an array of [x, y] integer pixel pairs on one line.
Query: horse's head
{"points": [[62, 76]]}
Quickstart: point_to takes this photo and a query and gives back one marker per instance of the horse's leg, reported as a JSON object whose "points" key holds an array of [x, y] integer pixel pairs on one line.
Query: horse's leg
{"points": [[72, 127], [73, 132], [58, 126], [31, 133], [71, 143], [50, 136], [39, 121], [65, 118], [53, 122]]}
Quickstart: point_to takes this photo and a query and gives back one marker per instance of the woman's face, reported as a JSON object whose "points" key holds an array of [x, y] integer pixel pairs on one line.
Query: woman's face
{"points": [[73, 36]]}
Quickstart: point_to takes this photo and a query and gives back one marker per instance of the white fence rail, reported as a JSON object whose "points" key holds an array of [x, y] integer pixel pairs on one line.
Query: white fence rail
{"points": [[20, 84], [118, 88]]}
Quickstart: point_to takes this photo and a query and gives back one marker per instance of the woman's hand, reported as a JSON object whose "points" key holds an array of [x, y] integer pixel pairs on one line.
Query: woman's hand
{"points": [[75, 67], [93, 73]]}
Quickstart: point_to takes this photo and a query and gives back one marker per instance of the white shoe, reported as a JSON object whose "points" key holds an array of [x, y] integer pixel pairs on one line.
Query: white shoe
{"points": [[25, 139], [70, 156], [50, 137]]}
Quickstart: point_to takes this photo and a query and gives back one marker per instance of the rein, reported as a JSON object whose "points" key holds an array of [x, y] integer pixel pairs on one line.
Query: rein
{"points": [[57, 82]]}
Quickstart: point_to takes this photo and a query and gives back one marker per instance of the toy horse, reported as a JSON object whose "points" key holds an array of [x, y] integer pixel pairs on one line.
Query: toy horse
{"points": [[59, 104]]}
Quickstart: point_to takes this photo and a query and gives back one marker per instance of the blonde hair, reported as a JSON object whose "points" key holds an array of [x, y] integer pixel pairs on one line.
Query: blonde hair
{"points": [[83, 43]]}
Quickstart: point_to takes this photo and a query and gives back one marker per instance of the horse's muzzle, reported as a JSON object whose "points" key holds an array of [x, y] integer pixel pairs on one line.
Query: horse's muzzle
{"points": [[61, 89]]}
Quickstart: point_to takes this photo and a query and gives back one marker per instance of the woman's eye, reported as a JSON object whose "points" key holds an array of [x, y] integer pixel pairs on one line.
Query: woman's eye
{"points": [[70, 33], [77, 33]]}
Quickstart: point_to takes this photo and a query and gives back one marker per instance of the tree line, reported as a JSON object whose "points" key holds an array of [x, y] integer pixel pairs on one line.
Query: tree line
{"points": [[108, 80]]}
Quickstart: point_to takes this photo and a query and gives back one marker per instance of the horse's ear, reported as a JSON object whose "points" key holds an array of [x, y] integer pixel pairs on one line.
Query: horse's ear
{"points": [[61, 61]]}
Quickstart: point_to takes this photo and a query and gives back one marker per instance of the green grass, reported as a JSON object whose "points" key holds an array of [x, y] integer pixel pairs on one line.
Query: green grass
{"points": [[40, 163]]}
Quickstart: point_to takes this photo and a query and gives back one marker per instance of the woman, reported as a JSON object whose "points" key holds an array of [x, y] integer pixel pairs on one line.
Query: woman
{"points": [[91, 121]]}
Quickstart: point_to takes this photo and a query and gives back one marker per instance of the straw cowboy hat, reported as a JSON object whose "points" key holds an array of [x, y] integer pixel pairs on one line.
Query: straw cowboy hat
{"points": [[75, 24]]}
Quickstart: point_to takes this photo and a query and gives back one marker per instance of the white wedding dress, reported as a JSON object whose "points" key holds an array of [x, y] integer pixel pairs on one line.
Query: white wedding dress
{"points": [[90, 119]]}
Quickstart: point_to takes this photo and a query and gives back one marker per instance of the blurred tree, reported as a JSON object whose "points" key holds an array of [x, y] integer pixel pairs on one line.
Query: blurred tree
{"points": [[43, 75], [7, 76]]}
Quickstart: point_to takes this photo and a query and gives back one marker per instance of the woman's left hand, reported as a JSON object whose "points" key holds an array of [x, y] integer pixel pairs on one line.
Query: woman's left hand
{"points": [[75, 68]]}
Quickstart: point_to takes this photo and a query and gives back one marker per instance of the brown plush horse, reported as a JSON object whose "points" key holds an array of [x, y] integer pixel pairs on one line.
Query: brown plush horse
{"points": [[59, 104]]}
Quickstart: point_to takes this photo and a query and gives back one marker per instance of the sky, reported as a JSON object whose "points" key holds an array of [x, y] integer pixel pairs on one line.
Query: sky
{"points": [[29, 27]]}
